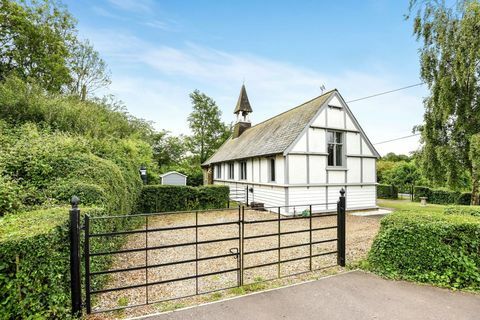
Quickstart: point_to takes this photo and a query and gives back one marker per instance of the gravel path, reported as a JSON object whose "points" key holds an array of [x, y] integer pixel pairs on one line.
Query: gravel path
{"points": [[360, 234]]}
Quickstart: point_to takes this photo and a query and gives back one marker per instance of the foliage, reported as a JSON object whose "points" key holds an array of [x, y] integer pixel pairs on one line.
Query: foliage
{"points": [[189, 168], [460, 210], [403, 175], [34, 264], [385, 191], [34, 260], [441, 196], [34, 40], [164, 198], [51, 167], [465, 198], [420, 192], [392, 157], [208, 131], [21, 102], [88, 70], [39, 44], [450, 66], [167, 149], [383, 167], [475, 159], [428, 247], [10, 196]]}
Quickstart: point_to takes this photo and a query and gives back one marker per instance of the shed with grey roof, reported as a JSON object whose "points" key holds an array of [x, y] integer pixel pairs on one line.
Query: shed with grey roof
{"points": [[173, 178]]}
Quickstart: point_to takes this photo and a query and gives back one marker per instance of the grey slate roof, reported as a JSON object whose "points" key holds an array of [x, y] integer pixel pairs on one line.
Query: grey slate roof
{"points": [[272, 136], [243, 104]]}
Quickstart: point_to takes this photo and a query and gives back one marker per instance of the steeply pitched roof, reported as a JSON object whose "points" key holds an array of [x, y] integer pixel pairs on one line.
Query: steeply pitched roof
{"points": [[243, 104], [271, 136]]}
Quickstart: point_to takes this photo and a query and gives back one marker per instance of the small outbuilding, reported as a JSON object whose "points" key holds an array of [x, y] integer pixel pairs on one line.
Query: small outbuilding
{"points": [[173, 178]]}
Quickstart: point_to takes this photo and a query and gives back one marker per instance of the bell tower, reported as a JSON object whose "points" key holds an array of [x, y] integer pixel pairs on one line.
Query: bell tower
{"points": [[242, 110]]}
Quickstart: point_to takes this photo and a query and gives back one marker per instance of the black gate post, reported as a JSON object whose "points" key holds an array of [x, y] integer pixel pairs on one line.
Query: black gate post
{"points": [[75, 285], [341, 205]]}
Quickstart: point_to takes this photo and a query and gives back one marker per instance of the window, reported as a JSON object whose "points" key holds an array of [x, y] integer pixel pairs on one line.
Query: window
{"points": [[243, 170], [271, 170], [335, 148], [219, 171], [231, 170]]}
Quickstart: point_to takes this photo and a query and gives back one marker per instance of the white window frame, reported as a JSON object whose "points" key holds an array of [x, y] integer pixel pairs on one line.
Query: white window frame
{"points": [[243, 173], [335, 144], [272, 166], [218, 174], [231, 170]]}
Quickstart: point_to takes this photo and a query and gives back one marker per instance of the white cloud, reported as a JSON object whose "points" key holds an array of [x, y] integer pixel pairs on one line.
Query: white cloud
{"points": [[133, 5], [161, 93]]}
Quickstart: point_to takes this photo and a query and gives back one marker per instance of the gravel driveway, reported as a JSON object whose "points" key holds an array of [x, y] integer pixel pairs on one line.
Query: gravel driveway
{"points": [[360, 234]]}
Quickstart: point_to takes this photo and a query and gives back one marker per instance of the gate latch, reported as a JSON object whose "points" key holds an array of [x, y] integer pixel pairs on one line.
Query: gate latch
{"points": [[235, 252]]}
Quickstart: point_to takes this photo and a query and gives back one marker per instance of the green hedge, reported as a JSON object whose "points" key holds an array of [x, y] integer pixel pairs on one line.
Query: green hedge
{"points": [[428, 247], [385, 191], [468, 211], [163, 198], [35, 265], [441, 196]]}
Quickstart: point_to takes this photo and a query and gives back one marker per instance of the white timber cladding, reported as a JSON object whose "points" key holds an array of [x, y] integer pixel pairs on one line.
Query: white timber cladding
{"points": [[360, 197], [302, 174]]}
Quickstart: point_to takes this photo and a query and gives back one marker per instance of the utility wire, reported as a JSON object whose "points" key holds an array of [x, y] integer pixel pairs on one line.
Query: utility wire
{"points": [[386, 92], [412, 135]]}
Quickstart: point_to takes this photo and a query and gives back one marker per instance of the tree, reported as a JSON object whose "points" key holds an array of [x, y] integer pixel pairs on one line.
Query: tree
{"points": [[208, 131], [403, 175], [168, 150], [34, 41], [88, 71], [450, 66]]}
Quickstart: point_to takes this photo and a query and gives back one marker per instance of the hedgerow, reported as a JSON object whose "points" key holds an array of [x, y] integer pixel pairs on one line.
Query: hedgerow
{"points": [[442, 196], [428, 247], [163, 198], [35, 265], [385, 191]]}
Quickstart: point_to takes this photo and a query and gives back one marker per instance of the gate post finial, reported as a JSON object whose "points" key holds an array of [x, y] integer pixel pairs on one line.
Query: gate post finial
{"points": [[342, 192]]}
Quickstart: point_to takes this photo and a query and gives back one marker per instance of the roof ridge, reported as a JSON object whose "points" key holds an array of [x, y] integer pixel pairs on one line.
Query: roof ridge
{"points": [[323, 94]]}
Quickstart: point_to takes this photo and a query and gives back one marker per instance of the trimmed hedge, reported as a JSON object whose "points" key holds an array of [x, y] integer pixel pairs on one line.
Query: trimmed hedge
{"points": [[385, 191], [468, 211], [428, 247], [163, 198], [441, 196], [35, 261]]}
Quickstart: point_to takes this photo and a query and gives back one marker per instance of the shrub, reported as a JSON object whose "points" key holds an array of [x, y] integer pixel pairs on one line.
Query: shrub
{"points": [[34, 264], [163, 198], [420, 192], [428, 247], [10, 196], [468, 211], [385, 191], [51, 167], [442, 196], [35, 260], [465, 199]]}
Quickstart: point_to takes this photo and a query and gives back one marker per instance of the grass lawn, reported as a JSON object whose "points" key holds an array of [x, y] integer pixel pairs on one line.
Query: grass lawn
{"points": [[408, 205]]}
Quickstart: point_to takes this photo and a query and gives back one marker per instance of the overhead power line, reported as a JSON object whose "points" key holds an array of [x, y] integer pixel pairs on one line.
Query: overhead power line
{"points": [[386, 92], [412, 135]]}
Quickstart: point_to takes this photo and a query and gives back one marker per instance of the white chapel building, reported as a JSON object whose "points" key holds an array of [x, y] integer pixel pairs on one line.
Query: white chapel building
{"points": [[302, 156]]}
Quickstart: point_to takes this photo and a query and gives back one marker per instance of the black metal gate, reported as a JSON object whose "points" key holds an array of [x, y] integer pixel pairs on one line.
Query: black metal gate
{"points": [[237, 245]]}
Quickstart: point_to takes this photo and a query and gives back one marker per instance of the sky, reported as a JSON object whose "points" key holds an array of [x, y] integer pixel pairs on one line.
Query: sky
{"points": [[158, 52]]}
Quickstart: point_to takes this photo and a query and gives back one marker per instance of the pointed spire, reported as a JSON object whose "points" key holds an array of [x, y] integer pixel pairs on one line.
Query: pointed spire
{"points": [[243, 105]]}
